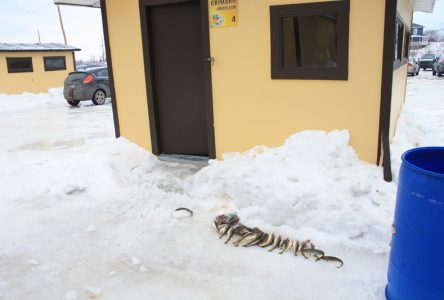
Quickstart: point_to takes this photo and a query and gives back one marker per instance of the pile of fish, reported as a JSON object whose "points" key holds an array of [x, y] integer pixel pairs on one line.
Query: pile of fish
{"points": [[229, 225]]}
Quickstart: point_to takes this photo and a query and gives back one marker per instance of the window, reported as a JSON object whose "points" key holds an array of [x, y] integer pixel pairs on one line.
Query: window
{"points": [[19, 64], [102, 73], [310, 41], [54, 63], [399, 40], [408, 36]]}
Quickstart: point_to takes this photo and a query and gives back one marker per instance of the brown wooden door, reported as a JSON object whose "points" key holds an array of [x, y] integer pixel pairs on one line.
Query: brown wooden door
{"points": [[177, 68]]}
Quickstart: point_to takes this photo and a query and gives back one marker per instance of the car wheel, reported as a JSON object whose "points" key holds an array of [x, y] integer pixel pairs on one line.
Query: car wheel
{"points": [[99, 97], [73, 102], [433, 73], [425, 69], [417, 73]]}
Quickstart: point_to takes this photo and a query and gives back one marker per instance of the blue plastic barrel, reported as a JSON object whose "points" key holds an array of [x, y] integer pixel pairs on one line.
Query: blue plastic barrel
{"points": [[416, 266]]}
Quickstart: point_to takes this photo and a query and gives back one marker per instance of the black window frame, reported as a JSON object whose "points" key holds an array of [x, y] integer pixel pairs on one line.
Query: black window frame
{"points": [[400, 54], [9, 60], [407, 40], [339, 8], [46, 58]]}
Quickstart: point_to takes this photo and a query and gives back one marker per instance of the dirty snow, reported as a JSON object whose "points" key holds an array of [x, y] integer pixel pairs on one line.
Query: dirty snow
{"points": [[83, 215]]}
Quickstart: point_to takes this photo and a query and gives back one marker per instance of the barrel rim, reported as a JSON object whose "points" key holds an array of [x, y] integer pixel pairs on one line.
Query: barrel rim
{"points": [[416, 168]]}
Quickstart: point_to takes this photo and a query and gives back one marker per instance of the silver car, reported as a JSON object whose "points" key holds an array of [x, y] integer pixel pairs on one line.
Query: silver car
{"points": [[438, 67], [413, 67]]}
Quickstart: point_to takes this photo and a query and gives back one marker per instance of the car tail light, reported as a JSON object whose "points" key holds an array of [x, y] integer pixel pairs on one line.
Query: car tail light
{"points": [[410, 65], [88, 79], [442, 61]]}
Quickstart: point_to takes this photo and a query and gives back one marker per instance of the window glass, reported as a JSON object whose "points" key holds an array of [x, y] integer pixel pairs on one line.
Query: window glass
{"points": [[310, 41], [19, 64], [399, 39], [102, 73], [55, 63], [407, 39], [428, 56]]}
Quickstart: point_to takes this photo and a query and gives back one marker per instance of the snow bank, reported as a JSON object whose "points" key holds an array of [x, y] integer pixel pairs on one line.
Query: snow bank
{"points": [[313, 186], [101, 218], [28, 100]]}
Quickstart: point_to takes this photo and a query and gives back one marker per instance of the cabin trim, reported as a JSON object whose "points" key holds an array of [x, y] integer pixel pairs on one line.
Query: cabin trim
{"points": [[110, 68], [386, 89]]}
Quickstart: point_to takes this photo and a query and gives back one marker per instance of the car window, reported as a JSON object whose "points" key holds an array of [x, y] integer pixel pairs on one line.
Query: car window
{"points": [[429, 56], [102, 73]]}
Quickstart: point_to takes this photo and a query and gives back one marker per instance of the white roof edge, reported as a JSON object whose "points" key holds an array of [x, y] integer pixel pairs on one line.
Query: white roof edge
{"points": [[86, 3], [426, 6]]}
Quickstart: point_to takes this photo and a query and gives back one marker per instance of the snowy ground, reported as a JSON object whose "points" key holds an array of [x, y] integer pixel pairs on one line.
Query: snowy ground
{"points": [[85, 216]]}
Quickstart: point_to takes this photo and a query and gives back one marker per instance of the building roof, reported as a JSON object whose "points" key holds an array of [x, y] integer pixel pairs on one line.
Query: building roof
{"points": [[90, 3], [47, 47], [423, 5], [414, 25]]}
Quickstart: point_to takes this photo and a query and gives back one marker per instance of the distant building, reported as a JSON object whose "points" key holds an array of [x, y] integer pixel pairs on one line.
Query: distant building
{"points": [[34, 67], [418, 39]]}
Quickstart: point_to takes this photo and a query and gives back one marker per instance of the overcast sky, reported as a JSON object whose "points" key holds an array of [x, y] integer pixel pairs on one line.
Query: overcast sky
{"points": [[431, 21], [20, 20]]}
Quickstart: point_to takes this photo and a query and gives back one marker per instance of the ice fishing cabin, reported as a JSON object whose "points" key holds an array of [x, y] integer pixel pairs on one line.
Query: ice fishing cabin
{"points": [[206, 77], [34, 68]]}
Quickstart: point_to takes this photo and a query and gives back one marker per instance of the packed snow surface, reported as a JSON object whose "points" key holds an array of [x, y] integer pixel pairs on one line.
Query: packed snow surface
{"points": [[86, 216]]}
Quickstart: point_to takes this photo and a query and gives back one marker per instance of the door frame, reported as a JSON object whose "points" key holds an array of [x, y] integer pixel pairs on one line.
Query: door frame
{"points": [[149, 62]]}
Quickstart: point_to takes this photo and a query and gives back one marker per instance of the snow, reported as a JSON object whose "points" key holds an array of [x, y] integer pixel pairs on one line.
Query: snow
{"points": [[421, 122], [83, 215], [54, 97]]}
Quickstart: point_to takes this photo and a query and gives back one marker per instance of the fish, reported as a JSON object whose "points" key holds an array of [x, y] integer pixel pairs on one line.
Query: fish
{"points": [[262, 237], [268, 241], [242, 229], [216, 226], [223, 230], [236, 243], [276, 243], [331, 259], [253, 239], [305, 244], [315, 252], [230, 233], [287, 246], [295, 247], [185, 209]]}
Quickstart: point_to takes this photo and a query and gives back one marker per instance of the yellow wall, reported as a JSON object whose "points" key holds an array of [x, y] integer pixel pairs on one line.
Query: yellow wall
{"points": [[38, 81], [249, 108], [400, 74], [128, 70], [252, 109]]}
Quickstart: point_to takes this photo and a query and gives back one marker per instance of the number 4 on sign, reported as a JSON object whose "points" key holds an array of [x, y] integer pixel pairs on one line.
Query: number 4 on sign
{"points": [[233, 19]]}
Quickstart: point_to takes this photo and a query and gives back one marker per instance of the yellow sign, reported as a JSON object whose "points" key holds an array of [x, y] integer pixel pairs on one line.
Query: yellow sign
{"points": [[223, 13]]}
